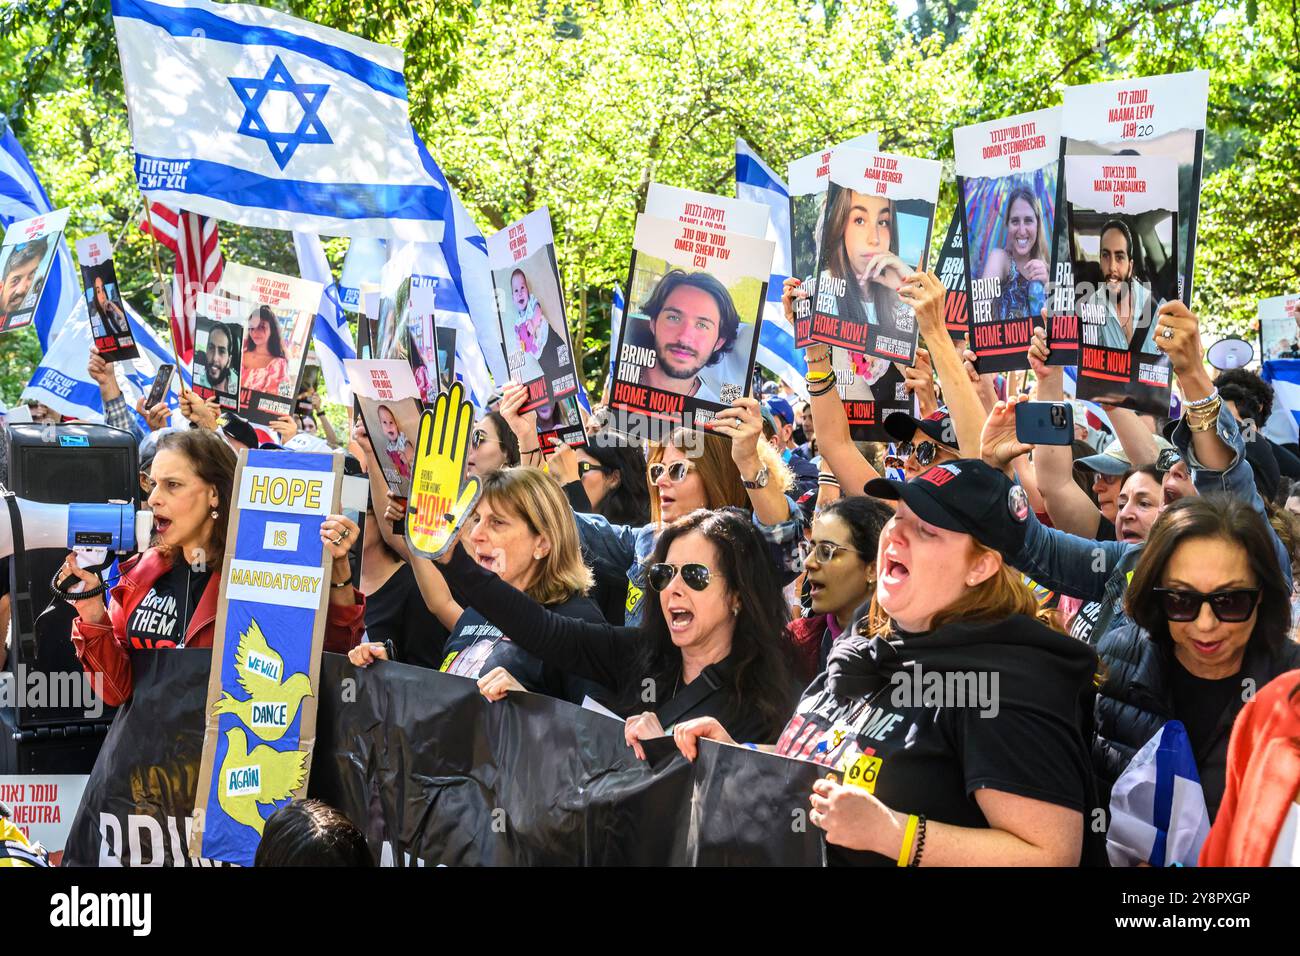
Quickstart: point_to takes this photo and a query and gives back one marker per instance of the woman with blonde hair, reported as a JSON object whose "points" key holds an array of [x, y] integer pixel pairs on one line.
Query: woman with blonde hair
{"points": [[524, 533], [957, 723]]}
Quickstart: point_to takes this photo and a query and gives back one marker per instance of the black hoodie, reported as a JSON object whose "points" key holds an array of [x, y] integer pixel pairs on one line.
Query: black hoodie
{"points": [[925, 720]]}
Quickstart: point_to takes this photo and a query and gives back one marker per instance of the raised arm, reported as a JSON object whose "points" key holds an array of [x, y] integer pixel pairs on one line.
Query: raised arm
{"points": [[925, 293]]}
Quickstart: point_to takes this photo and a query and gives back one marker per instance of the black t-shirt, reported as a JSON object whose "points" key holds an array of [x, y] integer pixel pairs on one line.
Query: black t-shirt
{"points": [[476, 647], [880, 714], [163, 615], [1105, 530], [1200, 703], [396, 612]]}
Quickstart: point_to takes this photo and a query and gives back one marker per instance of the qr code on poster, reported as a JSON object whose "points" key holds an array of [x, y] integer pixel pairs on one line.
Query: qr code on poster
{"points": [[729, 393]]}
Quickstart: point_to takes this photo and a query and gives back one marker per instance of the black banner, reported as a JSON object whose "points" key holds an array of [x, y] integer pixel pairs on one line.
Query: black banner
{"points": [[434, 774]]}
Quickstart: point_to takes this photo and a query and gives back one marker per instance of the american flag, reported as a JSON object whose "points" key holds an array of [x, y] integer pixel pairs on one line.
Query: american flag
{"points": [[194, 241]]}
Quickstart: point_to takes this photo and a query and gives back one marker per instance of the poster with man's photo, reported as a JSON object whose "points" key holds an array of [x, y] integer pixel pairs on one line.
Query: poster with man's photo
{"points": [[687, 344], [1124, 259], [530, 309], [951, 268], [30, 246], [1007, 173], [1160, 116], [428, 347], [807, 177], [871, 390], [277, 312], [389, 398], [1279, 326], [218, 347], [876, 233], [108, 325]]}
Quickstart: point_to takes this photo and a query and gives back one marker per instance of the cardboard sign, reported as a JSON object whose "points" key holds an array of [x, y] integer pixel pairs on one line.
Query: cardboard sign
{"points": [[42, 806], [30, 246], [952, 273], [1279, 326], [442, 495], [108, 324], [389, 398], [261, 707], [218, 347]]}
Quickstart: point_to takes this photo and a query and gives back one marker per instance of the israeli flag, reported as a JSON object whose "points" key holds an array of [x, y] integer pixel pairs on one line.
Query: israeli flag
{"points": [[22, 197], [334, 340], [615, 330], [249, 115], [1283, 426], [756, 182], [1157, 807], [62, 382]]}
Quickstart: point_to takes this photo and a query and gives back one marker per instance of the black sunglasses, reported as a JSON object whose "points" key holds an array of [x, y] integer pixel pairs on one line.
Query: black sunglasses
{"points": [[1167, 459], [677, 471], [925, 452], [586, 466], [1231, 605], [479, 437], [696, 576]]}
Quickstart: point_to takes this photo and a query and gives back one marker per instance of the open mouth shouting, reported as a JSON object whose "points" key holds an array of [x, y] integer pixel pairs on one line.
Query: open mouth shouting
{"points": [[680, 619], [494, 560], [161, 524]]}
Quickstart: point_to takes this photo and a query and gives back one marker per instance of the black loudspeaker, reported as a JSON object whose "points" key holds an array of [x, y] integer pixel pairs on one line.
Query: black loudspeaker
{"points": [[56, 464]]}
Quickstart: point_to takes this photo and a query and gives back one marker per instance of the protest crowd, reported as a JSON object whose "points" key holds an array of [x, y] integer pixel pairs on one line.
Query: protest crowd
{"points": [[999, 609]]}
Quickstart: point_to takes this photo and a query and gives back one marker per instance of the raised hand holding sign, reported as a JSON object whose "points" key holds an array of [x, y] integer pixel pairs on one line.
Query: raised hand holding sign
{"points": [[442, 497]]}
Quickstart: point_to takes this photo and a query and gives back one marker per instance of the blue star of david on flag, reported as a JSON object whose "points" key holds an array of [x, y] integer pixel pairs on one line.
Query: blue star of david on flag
{"points": [[252, 92]]}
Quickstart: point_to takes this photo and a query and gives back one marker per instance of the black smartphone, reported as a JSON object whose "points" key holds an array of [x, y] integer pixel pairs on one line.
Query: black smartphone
{"points": [[1045, 423], [160, 386]]}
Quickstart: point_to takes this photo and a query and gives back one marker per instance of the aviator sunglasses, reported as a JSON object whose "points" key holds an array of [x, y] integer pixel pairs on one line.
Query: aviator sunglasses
{"points": [[696, 576], [925, 452], [1231, 605]]}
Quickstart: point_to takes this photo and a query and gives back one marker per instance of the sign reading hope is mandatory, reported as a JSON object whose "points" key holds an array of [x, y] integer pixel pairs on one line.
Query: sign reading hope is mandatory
{"points": [[261, 707]]}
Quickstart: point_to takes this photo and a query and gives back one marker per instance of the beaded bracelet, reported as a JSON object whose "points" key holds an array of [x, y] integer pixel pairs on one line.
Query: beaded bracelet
{"points": [[920, 841], [1204, 402]]}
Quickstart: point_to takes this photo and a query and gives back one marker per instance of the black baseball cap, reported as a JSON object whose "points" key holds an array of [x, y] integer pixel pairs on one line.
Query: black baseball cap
{"points": [[937, 426], [966, 496]]}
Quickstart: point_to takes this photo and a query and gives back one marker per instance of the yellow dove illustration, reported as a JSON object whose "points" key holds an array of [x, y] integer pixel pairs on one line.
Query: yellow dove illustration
{"points": [[273, 701], [442, 497], [264, 776]]}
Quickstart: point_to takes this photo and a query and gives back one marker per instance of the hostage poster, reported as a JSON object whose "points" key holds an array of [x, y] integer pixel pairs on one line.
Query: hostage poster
{"points": [[876, 233], [218, 347], [30, 246], [871, 390], [277, 312], [1279, 326], [1007, 172], [951, 268], [390, 407], [1159, 117], [1123, 242], [108, 324], [534, 331]]}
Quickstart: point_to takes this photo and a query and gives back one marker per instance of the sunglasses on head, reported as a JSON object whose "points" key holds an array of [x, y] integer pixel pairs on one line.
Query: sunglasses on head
{"points": [[925, 452], [1231, 605], [677, 471], [696, 576]]}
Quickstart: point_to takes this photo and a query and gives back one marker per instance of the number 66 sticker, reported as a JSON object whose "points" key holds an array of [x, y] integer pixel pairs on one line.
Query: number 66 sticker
{"points": [[863, 772]]}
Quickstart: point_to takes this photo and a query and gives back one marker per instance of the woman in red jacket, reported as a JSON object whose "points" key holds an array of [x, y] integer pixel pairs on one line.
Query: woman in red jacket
{"points": [[167, 596]]}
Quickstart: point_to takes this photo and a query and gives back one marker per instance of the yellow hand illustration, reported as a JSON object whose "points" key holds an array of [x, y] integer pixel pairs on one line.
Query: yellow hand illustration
{"points": [[442, 498]]}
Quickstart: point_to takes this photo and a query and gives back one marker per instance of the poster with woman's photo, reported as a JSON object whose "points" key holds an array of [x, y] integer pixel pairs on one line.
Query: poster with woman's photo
{"points": [[1123, 242], [389, 398], [1160, 116], [687, 344], [879, 213], [1007, 173], [429, 348], [218, 348], [108, 325], [871, 390], [951, 268], [30, 246], [1279, 326], [807, 177], [277, 312]]}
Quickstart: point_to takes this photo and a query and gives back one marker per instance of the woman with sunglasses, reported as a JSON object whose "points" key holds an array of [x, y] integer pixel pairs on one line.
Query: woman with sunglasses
{"points": [[727, 466], [840, 571], [711, 643], [492, 446], [606, 477]]}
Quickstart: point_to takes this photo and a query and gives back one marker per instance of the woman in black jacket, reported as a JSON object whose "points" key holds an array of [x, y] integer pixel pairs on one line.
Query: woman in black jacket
{"points": [[1212, 622], [712, 645]]}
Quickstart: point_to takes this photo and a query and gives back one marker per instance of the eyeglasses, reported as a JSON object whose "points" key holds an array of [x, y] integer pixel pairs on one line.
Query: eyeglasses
{"points": [[925, 452], [1231, 605], [825, 551], [696, 576], [677, 471], [479, 437], [586, 466]]}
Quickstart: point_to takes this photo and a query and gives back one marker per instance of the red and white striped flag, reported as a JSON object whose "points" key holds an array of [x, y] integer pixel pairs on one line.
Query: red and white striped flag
{"points": [[193, 239]]}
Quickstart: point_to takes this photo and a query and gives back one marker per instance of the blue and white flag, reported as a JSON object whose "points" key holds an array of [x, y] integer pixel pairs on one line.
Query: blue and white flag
{"points": [[1157, 807], [756, 182], [361, 266], [62, 382], [615, 330], [249, 115], [1283, 426], [334, 340], [22, 197]]}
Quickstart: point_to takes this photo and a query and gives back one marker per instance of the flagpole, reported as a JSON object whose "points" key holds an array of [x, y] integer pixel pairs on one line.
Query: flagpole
{"points": [[166, 287]]}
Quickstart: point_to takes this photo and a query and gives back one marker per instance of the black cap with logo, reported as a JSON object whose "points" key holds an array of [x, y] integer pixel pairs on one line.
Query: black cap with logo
{"points": [[967, 496]]}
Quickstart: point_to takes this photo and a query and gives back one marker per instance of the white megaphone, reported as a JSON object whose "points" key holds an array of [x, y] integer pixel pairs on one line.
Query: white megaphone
{"points": [[91, 530]]}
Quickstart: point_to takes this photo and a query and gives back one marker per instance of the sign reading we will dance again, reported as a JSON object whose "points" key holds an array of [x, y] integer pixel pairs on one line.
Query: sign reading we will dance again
{"points": [[261, 708]]}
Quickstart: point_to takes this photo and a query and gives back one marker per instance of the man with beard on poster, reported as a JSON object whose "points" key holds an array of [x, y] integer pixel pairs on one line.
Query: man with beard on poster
{"points": [[1123, 300], [694, 324], [216, 359], [20, 275]]}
